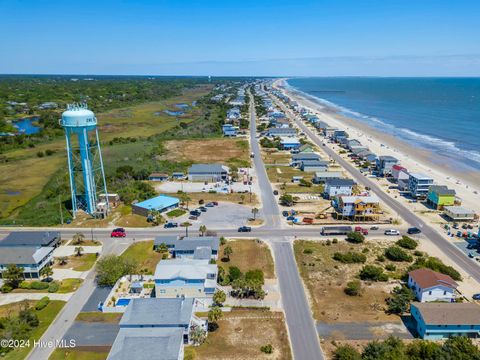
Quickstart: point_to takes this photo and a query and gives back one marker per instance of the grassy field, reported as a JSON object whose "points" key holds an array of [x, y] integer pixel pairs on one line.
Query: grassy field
{"points": [[176, 213], [249, 255], [227, 151], [326, 278], [45, 316], [241, 334], [284, 174], [69, 285], [78, 263], [77, 354], [96, 316], [143, 255]]}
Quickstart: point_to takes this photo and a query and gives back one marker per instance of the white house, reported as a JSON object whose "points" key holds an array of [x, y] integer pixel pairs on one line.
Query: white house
{"points": [[419, 184], [335, 187], [429, 285]]}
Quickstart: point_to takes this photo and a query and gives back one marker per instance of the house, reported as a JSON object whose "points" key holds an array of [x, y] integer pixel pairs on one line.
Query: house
{"points": [[336, 187], [31, 258], [339, 133], [435, 321], [322, 176], [275, 132], [178, 175], [148, 343], [189, 246], [185, 277], [384, 165], [353, 142], [298, 158], [357, 150], [418, 185], [396, 169], [158, 177], [297, 179], [229, 130], [31, 238], [403, 180], [459, 213], [208, 172], [429, 285], [367, 155], [162, 313], [287, 143], [159, 203], [357, 207], [329, 131], [440, 196], [314, 165]]}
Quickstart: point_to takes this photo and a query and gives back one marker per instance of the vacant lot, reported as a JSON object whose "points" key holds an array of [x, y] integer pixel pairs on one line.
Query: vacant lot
{"points": [[241, 333], [227, 151], [142, 253], [249, 255], [326, 279], [237, 198], [77, 263], [96, 316]]}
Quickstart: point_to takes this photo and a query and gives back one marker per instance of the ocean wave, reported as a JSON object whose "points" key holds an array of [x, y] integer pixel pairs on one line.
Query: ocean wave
{"points": [[429, 142]]}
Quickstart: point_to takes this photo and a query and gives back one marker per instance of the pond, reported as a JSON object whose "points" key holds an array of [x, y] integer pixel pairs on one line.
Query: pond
{"points": [[25, 126]]}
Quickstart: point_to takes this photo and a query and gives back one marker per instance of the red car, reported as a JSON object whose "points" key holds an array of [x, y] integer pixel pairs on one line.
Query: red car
{"points": [[119, 232], [361, 230]]}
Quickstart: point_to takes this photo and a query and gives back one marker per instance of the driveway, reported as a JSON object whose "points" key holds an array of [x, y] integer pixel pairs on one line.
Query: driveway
{"points": [[98, 295], [92, 333]]}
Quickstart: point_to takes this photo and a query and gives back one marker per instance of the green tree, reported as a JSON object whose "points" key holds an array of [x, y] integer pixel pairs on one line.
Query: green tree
{"points": [[372, 272], [346, 352], [162, 248], [46, 272], [219, 297], [186, 225], [424, 350], [111, 268], [223, 241], [63, 260], [255, 212], [390, 349], [242, 198], [202, 229], [399, 302], [215, 314], [185, 198], [355, 237], [228, 251], [287, 200], [78, 238], [13, 275], [396, 253], [198, 335], [78, 251], [234, 273], [407, 242], [460, 348]]}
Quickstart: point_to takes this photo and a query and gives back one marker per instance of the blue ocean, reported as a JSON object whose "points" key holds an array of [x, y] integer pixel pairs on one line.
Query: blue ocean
{"points": [[441, 115]]}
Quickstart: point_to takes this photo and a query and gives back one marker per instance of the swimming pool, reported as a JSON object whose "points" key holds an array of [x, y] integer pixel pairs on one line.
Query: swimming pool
{"points": [[123, 302]]}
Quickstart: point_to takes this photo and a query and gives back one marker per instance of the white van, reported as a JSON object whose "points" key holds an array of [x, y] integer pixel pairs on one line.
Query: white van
{"points": [[392, 232]]}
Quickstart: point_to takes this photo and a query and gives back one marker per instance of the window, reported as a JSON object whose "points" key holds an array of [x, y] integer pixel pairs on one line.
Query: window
{"points": [[445, 292], [430, 292]]}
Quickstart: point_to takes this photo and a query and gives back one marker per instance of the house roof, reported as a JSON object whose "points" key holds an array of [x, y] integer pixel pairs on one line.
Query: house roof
{"points": [[420, 176], [449, 313], [427, 278], [207, 168], [357, 199], [147, 344], [289, 140], [340, 182], [189, 243], [30, 238], [184, 268], [202, 253], [441, 190], [387, 158], [306, 156], [282, 130], [157, 312], [158, 175], [25, 255], [315, 163], [459, 210], [158, 202], [329, 174], [398, 167]]}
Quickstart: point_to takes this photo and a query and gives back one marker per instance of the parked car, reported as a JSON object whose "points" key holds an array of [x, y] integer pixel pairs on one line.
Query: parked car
{"points": [[374, 227], [391, 232], [476, 297], [118, 232], [193, 217], [413, 230], [210, 204], [275, 192], [361, 230], [170, 225], [202, 209], [195, 213], [244, 229], [215, 203], [291, 218], [285, 213]]}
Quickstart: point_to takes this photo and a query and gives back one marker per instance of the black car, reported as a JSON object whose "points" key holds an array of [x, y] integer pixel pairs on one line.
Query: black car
{"points": [[413, 230], [195, 213], [202, 209], [275, 192], [476, 297], [170, 225], [244, 229]]}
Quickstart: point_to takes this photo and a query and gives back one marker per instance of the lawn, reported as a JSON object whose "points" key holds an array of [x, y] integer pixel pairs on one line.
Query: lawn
{"points": [[326, 278], [69, 285], [240, 335], [227, 151], [77, 354], [142, 253], [45, 317], [77, 263], [176, 213], [284, 174], [249, 255], [97, 316]]}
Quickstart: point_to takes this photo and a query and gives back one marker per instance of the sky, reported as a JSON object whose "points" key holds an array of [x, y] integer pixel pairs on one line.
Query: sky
{"points": [[241, 38]]}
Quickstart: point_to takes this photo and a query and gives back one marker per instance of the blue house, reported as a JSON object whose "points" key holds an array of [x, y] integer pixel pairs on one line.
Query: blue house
{"points": [[435, 321], [159, 203], [229, 130], [287, 143], [191, 246]]}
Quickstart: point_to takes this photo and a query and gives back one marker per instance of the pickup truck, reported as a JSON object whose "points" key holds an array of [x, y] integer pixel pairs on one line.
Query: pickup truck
{"points": [[361, 230]]}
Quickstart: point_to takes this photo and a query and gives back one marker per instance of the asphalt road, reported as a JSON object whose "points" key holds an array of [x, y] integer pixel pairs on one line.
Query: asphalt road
{"points": [[456, 255]]}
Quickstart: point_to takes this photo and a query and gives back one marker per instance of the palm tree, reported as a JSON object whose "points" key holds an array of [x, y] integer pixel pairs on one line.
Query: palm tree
{"points": [[203, 229], [46, 272], [78, 238], [78, 251], [242, 198], [254, 212], [215, 314], [228, 251], [186, 225], [63, 260], [185, 198]]}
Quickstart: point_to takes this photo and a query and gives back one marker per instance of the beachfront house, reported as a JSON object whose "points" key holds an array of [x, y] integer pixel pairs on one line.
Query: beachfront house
{"points": [[185, 277], [314, 165], [276, 132], [158, 177], [321, 177], [337, 134], [298, 158], [358, 207], [418, 185], [328, 132], [396, 169], [161, 203], [351, 143], [403, 180], [459, 213], [194, 247], [384, 165], [337, 187], [208, 172], [440, 196], [288, 143], [436, 321], [429, 285]]}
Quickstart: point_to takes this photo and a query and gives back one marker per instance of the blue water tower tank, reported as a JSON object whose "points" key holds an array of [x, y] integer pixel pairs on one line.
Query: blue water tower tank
{"points": [[87, 176]]}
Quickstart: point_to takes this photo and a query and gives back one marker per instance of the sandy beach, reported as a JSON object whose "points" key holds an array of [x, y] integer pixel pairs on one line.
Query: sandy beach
{"points": [[414, 159]]}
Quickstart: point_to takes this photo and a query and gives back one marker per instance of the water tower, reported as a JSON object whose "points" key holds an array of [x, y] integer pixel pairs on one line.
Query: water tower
{"points": [[87, 177]]}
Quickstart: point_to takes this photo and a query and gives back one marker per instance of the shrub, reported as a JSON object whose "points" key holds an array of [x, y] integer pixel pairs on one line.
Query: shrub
{"points": [[6, 288], [372, 272], [308, 251], [400, 300], [53, 287], [350, 257], [390, 267], [418, 253], [40, 154], [353, 288], [436, 264], [355, 237], [255, 275], [49, 152], [381, 258], [346, 352], [328, 243], [395, 253], [42, 303], [407, 243], [24, 285], [335, 241], [234, 273], [39, 285], [267, 349]]}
